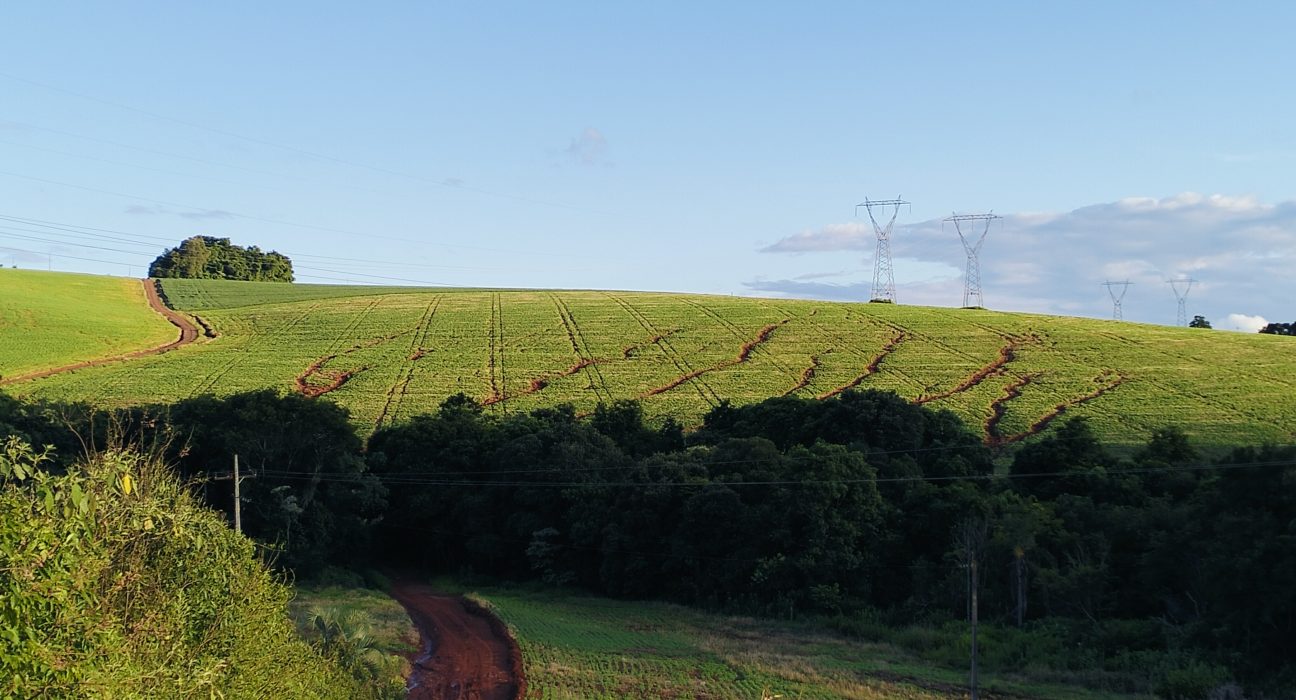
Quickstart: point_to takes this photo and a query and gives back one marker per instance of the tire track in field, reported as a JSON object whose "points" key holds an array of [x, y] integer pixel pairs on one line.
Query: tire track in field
{"points": [[738, 333], [837, 342], [874, 366], [808, 374], [662, 341], [581, 348], [993, 439], [255, 341], [744, 354], [495, 363], [335, 380], [418, 345], [995, 368]]}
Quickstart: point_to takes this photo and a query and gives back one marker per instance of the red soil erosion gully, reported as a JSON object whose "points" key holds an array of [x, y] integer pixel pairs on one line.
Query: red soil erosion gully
{"points": [[465, 652]]}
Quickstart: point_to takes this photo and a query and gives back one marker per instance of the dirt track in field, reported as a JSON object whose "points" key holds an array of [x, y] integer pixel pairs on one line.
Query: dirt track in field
{"points": [[188, 334], [465, 652]]}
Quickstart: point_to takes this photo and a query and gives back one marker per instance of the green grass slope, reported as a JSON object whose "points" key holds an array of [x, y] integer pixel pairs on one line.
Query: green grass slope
{"points": [[389, 354], [579, 647], [52, 319]]}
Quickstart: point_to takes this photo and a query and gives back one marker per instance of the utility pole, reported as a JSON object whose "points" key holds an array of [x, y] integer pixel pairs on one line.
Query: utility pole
{"points": [[883, 273], [238, 505], [972, 274], [1019, 576], [969, 538], [238, 502]]}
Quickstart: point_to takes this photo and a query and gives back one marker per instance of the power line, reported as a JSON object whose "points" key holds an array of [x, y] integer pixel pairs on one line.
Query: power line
{"points": [[279, 222], [442, 182], [88, 231], [432, 480]]}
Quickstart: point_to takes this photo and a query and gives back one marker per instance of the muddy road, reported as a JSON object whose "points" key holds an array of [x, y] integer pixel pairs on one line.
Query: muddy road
{"points": [[465, 653]]}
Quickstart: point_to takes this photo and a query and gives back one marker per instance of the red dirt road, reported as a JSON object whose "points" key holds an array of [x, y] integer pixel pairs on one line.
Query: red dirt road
{"points": [[465, 652], [188, 334]]}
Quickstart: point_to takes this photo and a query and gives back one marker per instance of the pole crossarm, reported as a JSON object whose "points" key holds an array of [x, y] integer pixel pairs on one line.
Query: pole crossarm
{"points": [[972, 275], [883, 271]]}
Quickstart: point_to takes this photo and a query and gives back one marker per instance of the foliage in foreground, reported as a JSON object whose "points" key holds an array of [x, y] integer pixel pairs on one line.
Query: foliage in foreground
{"points": [[116, 583]]}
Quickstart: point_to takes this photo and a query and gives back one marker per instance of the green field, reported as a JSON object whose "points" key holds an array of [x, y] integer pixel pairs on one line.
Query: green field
{"points": [[577, 647], [50, 319], [390, 353]]}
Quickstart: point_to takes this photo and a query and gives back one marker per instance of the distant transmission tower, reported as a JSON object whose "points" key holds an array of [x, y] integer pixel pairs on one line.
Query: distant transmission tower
{"points": [[972, 276], [883, 274], [1186, 283], [1117, 296]]}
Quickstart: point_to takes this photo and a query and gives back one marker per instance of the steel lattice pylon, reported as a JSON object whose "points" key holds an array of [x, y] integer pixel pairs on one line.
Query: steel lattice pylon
{"points": [[1117, 297], [972, 275], [883, 272], [1187, 283]]}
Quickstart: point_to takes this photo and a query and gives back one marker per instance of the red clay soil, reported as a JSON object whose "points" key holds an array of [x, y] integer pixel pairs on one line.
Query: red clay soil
{"points": [[1007, 354], [465, 652], [1038, 426], [807, 375], [873, 366], [744, 354], [188, 334]]}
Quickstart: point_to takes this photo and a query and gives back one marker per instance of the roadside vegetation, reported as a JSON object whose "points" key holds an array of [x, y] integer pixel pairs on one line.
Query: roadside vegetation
{"points": [[117, 584]]}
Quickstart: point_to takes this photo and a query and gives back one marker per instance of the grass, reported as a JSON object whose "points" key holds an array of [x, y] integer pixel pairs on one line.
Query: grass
{"points": [[390, 353], [575, 646], [50, 319], [368, 618]]}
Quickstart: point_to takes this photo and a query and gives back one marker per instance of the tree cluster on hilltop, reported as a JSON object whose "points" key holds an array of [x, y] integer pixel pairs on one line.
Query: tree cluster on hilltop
{"points": [[208, 257], [1280, 328]]}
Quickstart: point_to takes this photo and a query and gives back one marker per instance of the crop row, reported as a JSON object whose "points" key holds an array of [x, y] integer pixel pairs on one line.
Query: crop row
{"points": [[389, 356]]}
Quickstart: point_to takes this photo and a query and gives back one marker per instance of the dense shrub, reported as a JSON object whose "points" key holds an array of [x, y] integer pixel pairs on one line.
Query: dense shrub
{"points": [[114, 582]]}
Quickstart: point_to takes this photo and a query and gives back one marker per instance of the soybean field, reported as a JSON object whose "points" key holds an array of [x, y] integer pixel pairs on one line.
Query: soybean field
{"points": [[389, 353]]}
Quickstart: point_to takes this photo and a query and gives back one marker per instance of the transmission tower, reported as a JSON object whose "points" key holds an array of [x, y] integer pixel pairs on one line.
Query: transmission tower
{"points": [[1186, 283], [972, 276], [883, 274], [1117, 296]]}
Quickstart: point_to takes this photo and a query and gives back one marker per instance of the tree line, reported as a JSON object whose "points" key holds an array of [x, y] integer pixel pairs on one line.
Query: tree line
{"points": [[856, 507]]}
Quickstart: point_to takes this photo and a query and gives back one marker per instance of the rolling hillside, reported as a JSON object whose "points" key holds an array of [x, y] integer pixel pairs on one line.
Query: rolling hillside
{"points": [[390, 353], [51, 319]]}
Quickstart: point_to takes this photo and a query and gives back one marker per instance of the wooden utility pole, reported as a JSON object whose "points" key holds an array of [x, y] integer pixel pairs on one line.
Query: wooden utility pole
{"points": [[238, 516], [238, 500]]}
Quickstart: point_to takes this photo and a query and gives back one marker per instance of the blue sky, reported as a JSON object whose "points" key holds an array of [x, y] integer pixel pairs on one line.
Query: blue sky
{"points": [[668, 146]]}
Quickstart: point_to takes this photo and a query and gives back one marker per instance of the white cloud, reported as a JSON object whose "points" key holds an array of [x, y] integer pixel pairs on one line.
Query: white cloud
{"points": [[1240, 250], [1243, 322]]}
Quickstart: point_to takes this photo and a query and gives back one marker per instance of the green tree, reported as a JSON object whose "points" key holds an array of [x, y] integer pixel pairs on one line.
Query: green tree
{"points": [[1199, 322], [207, 257]]}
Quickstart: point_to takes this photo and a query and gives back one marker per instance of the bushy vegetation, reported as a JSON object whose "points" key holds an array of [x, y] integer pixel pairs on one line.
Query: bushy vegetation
{"points": [[116, 584], [1156, 566], [208, 257]]}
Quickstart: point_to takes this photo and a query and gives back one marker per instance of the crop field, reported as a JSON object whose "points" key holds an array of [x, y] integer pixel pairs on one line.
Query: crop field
{"points": [[50, 319], [583, 648], [390, 353]]}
